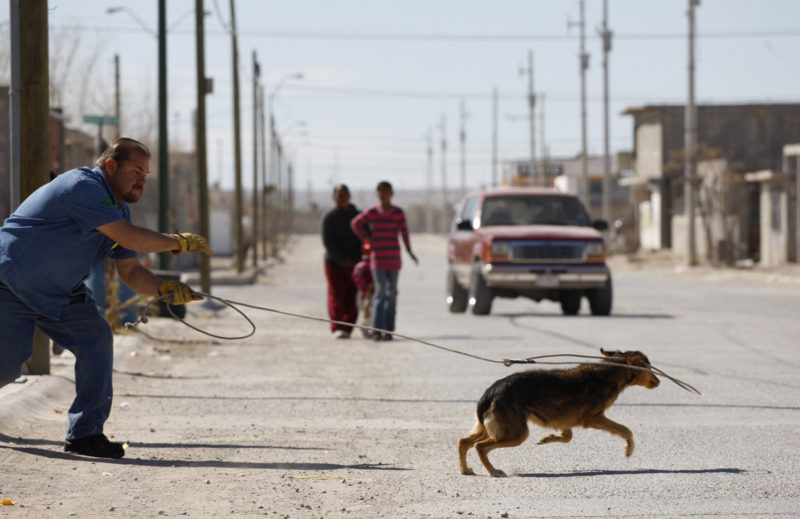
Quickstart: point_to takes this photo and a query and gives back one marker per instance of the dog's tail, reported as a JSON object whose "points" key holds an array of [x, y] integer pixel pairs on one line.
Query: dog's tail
{"points": [[484, 404]]}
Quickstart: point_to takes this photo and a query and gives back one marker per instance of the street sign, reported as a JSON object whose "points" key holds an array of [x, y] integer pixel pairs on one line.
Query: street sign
{"points": [[106, 120]]}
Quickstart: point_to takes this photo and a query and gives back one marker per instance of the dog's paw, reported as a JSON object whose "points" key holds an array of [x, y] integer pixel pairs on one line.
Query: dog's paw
{"points": [[467, 471], [629, 450], [498, 474]]}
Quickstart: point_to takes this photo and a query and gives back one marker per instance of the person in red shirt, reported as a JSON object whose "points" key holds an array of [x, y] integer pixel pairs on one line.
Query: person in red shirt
{"points": [[386, 221]]}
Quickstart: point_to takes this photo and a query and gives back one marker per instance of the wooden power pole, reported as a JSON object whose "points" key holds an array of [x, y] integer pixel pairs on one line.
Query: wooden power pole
{"points": [[200, 144], [30, 39], [237, 152]]}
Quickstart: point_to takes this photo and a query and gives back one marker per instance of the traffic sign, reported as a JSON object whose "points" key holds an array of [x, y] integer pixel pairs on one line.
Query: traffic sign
{"points": [[109, 120]]}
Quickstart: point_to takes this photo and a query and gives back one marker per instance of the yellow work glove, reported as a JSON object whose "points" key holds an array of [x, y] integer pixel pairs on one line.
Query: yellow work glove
{"points": [[179, 293], [188, 242]]}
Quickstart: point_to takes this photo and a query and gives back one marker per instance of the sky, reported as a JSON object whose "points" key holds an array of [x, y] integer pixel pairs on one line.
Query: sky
{"points": [[379, 76]]}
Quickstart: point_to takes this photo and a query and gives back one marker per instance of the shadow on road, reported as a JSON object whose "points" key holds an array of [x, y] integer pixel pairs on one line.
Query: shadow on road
{"points": [[640, 472], [517, 315], [716, 406], [27, 442], [178, 463], [161, 376]]}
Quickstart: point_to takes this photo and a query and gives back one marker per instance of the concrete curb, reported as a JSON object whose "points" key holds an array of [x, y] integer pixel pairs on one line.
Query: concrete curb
{"points": [[229, 276], [33, 399]]}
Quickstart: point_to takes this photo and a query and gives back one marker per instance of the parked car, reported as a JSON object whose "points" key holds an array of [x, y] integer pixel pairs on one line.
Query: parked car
{"points": [[532, 242]]}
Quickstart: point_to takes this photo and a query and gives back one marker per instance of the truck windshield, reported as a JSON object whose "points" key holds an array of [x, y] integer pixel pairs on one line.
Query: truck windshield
{"points": [[533, 210]]}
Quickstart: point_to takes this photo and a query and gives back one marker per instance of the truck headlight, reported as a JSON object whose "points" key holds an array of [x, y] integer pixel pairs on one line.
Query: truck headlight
{"points": [[595, 249], [499, 248], [496, 251]]}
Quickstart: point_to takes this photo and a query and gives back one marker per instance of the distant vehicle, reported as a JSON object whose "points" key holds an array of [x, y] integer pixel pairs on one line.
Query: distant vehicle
{"points": [[531, 242]]}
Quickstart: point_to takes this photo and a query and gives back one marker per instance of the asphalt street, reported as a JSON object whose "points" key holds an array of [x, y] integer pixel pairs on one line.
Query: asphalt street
{"points": [[293, 423]]}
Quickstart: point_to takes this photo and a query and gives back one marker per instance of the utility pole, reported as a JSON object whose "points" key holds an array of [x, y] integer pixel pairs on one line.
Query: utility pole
{"points": [[30, 107], [542, 141], [163, 153], [264, 168], [256, 74], [463, 139], [605, 33], [200, 143], [237, 152], [583, 62], [429, 184], [289, 199], [118, 131], [110, 270], [532, 177], [494, 137], [274, 164], [690, 142], [443, 129]]}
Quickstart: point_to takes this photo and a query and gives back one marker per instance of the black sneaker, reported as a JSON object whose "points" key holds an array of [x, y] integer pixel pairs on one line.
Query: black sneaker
{"points": [[97, 445], [387, 337]]}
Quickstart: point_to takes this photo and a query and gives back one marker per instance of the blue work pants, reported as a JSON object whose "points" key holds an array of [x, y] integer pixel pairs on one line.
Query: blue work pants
{"points": [[384, 303], [81, 330]]}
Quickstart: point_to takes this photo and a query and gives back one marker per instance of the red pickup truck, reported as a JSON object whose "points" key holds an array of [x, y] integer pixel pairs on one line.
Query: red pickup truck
{"points": [[532, 242]]}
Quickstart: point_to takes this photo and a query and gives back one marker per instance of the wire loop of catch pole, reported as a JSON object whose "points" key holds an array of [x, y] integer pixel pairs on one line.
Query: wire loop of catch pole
{"points": [[589, 359]]}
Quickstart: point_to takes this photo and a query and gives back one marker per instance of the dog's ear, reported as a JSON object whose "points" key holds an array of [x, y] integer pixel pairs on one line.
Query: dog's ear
{"points": [[610, 353], [638, 358]]}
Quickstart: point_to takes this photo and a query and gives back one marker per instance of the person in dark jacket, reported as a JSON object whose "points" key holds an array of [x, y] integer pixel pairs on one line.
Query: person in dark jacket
{"points": [[342, 252]]}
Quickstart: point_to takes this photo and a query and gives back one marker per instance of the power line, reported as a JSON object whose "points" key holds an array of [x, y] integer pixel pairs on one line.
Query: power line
{"points": [[551, 97], [432, 37]]}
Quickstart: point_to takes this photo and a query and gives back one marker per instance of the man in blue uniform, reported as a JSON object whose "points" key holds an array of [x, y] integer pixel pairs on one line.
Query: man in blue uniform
{"points": [[48, 246]]}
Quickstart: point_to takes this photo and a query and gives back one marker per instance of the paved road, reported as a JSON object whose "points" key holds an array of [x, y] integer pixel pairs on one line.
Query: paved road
{"points": [[293, 423]]}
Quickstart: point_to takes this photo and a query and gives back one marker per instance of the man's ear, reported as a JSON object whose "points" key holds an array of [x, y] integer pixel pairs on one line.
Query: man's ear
{"points": [[111, 165]]}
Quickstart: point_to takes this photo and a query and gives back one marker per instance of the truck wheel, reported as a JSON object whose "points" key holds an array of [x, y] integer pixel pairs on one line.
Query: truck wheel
{"points": [[457, 296], [600, 300], [570, 302], [480, 295]]}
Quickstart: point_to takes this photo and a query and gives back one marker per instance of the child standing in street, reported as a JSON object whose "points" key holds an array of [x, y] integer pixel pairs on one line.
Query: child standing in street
{"points": [[362, 277], [386, 222]]}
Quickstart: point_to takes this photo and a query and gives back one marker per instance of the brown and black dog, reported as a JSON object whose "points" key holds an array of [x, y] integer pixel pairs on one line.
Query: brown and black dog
{"points": [[557, 399]]}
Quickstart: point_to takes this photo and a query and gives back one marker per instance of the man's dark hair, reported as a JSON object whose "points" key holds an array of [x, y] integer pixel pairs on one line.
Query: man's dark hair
{"points": [[121, 150], [384, 185], [337, 187]]}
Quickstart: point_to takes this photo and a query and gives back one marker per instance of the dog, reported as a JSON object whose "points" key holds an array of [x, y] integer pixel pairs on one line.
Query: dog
{"points": [[557, 399]]}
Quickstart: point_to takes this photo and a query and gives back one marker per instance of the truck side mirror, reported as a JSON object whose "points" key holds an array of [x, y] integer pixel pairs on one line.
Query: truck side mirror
{"points": [[600, 225], [463, 225]]}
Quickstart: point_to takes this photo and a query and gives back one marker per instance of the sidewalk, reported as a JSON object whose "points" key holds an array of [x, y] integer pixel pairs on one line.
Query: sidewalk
{"points": [[665, 262]]}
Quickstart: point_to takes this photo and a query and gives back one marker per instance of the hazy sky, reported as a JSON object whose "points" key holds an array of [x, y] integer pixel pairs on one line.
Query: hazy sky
{"points": [[379, 75]]}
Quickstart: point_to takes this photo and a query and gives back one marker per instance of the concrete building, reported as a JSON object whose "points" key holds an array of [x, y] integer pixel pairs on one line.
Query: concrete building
{"points": [[779, 214], [748, 137]]}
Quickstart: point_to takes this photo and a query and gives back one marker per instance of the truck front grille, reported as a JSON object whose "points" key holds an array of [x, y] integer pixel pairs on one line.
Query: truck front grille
{"points": [[540, 252]]}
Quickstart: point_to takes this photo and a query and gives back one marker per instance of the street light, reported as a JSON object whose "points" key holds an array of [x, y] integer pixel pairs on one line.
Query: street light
{"points": [[143, 24], [290, 142], [297, 76], [163, 158], [273, 144], [136, 18], [294, 125]]}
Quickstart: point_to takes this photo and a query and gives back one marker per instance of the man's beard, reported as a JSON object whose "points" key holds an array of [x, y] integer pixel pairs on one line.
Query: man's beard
{"points": [[132, 196]]}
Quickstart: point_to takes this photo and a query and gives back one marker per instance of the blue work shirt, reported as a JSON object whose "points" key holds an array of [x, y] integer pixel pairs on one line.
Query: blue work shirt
{"points": [[49, 245]]}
